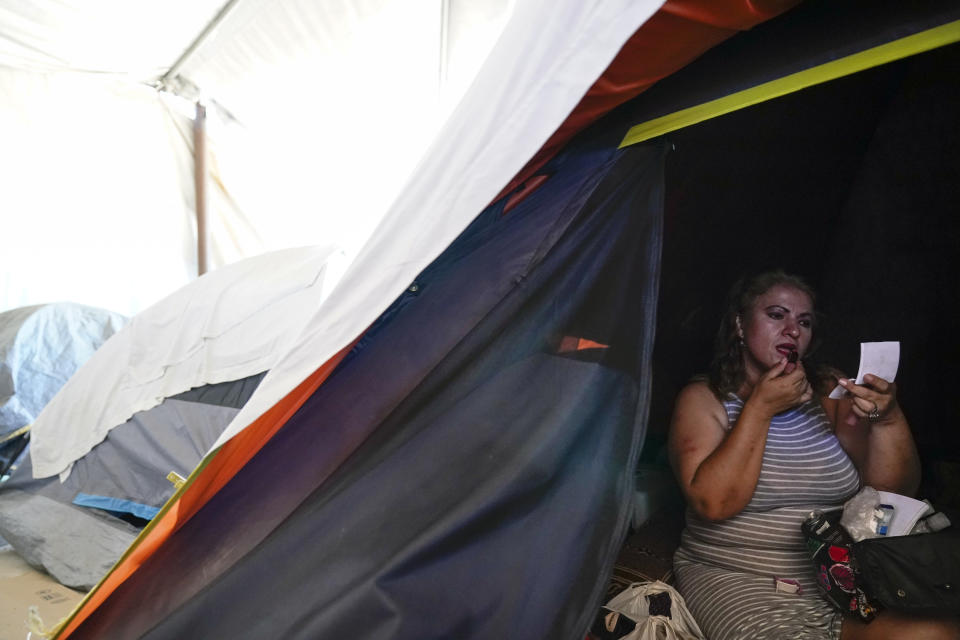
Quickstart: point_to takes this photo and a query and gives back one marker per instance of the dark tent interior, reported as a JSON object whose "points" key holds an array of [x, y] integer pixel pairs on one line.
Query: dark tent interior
{"points": [[852, 184]]}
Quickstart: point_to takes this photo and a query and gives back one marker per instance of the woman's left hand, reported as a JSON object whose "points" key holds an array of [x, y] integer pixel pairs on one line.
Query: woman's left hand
{"points": [[875, 400]]}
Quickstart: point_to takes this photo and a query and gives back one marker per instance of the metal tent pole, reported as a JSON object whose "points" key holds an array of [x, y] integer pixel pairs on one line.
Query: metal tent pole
{"points": [[200, 184]]}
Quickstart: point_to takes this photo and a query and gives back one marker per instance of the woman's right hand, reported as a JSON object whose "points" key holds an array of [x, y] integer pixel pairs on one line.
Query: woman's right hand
{"points": [[778, 390]]}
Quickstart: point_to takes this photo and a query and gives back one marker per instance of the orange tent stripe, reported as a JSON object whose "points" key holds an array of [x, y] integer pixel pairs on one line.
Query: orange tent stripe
{"points": [[222, 466], [583, 343], [672, 38]]}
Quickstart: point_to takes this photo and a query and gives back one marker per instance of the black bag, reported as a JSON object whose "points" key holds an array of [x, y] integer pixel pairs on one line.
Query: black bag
{"points": [[919, 574], [831, 551]]}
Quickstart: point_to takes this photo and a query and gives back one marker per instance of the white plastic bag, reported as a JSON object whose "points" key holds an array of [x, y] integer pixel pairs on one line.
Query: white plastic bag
{"points": [[857, 516], [634, 603]]}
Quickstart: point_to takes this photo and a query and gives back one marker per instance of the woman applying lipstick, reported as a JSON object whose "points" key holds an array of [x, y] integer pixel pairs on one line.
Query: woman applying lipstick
{"points": [[755, 447]]}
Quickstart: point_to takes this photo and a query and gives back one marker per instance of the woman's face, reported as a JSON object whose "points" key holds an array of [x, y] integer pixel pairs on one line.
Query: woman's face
{"points": [[780, 321]]}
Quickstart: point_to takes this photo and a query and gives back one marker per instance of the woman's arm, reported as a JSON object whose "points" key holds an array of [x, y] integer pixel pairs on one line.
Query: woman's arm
{"points": [[718, 470], [881, 447]]}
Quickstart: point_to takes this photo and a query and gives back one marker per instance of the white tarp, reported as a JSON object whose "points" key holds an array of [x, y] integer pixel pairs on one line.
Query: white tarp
{"points": [[229, 324], [549, 54]]}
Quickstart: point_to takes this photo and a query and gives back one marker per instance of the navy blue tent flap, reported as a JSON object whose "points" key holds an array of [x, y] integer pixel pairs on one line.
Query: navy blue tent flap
{"points": [[467, 471]]}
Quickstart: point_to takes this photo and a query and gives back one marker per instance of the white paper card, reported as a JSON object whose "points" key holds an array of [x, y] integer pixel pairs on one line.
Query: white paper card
{"points": [[878, 358], [906, 512]]}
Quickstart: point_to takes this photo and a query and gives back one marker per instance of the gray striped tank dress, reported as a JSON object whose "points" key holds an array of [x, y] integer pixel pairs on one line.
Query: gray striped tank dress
{"points": [[726, 570]]}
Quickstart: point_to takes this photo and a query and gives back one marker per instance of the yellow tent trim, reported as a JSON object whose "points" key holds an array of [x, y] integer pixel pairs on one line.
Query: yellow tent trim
{"points": [[917, 43], [14, 434], [54, 633]]}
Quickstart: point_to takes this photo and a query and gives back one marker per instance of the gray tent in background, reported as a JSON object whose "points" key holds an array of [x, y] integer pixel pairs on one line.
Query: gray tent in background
{"points": [[77, 529]]}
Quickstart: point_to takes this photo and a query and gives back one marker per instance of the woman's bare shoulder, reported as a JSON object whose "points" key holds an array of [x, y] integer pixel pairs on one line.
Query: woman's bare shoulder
{"points": [[698, 390], [698, 398]]}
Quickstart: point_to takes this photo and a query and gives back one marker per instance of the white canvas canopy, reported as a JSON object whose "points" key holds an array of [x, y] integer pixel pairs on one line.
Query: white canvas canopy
{"points": [[97, 164]]}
